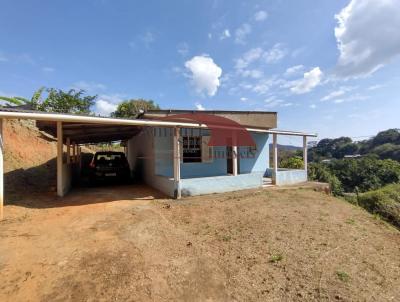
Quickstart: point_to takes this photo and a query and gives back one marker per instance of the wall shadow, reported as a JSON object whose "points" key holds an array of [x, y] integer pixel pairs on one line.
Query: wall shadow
{"points": [[36, 187]]}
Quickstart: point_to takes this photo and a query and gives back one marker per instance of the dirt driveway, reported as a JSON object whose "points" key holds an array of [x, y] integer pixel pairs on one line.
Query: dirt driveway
{"points": [[121, 244]]}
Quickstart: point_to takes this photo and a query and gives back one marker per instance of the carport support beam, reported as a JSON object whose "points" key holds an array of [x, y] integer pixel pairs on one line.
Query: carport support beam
{"points": [[235, 160], [275, 157], [177, 163], [305, 154], [1, 170], [68, 141], [60, 189]]}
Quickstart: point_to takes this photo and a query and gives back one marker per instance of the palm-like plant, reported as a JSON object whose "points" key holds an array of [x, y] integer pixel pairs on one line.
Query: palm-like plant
{"points": [[18, 101]]}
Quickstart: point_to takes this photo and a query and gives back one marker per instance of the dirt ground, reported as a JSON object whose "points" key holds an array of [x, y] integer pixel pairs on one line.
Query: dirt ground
{"points": [[128, 243]]}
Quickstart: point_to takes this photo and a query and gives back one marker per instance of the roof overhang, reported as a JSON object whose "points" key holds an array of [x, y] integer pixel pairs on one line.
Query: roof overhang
{"points": [[93, 129]]}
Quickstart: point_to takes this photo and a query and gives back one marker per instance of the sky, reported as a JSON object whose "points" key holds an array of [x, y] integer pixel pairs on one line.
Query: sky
{"points": [[327, 67]]}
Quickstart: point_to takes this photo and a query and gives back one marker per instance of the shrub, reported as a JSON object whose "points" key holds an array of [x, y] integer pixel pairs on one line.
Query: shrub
{"points": [[295, 162], [320, 172], [385, 202]]}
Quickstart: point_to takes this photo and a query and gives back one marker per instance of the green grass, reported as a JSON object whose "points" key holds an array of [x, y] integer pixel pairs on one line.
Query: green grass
{"points": [[343, 276], [276, 258]]}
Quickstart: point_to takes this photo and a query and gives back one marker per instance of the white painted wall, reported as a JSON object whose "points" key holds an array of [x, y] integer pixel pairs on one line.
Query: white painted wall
{"points": [[141, 161]]}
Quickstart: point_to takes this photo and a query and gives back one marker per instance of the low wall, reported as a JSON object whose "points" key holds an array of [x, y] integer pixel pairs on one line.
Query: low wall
{"points": [[220, 184], [288, 176]]}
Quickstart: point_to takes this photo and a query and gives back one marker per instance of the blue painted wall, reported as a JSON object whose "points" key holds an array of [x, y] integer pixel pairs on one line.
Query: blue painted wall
{"points": [[249, 163], [258, 162], [220, 184]]}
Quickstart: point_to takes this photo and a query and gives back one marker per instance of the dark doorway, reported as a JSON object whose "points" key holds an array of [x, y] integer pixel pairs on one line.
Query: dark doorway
{"points": [[229, 160]]}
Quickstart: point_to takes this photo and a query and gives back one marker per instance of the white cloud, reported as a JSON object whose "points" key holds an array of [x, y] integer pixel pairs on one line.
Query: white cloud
{"points": [[243, 99], [88, 86], [313, 106], [48, 69], [252, 73], [275, 54], [204, 75], [248, 57], [337, 93], [272, 102], [310, 80], [107, 103], [260, 15], [375, 87], [183, 48], [225, 34], [104, 107], [241, 33], [199, 107], [294, 70], [351, 98], [367, 36]]}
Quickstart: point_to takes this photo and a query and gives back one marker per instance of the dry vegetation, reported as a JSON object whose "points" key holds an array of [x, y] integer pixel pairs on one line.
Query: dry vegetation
{"points": [[117, 244]]}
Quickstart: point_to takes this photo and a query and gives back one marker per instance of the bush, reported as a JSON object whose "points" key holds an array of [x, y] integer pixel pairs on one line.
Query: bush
{"points": [[368, 173], [295, 162], [385, 202], [320, 172]]}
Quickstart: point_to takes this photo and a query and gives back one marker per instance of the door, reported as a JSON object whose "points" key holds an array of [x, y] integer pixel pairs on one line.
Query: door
{"points": [[229, 160]]}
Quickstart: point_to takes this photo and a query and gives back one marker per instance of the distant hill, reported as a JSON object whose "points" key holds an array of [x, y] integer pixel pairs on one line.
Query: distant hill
{"points": [[385, 145], [286, 147]]}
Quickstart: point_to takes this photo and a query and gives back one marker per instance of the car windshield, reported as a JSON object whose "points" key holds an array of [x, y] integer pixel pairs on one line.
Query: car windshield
{"points": [[107, 157]]}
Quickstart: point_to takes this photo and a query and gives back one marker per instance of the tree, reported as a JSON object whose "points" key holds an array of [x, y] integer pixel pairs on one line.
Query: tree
{"points": [[73, 101], [132, 108], [17, 100]]}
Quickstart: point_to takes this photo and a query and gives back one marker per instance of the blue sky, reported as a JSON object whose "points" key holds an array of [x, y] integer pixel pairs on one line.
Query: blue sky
{"points": [[321, 73]]}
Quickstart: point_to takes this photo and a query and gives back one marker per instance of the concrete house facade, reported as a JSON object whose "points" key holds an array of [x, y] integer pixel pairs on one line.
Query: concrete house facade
{"points": [[160, 156]]}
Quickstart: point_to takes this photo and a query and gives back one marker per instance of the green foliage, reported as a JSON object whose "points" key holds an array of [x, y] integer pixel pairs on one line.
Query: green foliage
{"points": [[343, 276], [366, 173], [320, 172], [276, 258], [295, 162], [73, 101], [384, 202], [336, 148], [132, 108]]}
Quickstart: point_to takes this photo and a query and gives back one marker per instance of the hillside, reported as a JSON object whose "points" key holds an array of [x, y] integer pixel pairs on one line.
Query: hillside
{"points": [[120, 244], [29, 159]]}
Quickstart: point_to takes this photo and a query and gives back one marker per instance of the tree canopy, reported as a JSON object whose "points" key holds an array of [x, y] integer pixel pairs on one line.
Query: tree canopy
{"points": [[56, 100], [133, 107]]}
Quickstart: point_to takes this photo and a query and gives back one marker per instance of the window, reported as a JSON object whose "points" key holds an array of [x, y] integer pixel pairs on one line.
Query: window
{"points": [[195, 149], [191, 149]]}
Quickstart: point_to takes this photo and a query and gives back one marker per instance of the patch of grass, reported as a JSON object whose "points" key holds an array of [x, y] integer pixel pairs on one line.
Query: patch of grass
{"points": [[276, 258], [350, 221], [226, 238], [343, 276]]}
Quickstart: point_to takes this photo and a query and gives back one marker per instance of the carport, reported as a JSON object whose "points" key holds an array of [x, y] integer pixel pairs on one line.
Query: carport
{"points": [[71, 131]]}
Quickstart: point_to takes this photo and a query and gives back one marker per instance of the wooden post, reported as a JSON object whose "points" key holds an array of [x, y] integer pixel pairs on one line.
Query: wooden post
{"points": [[235, 160], [1, 170], [68, 150], [177, 163], [275, 157], [305, 153], [73, 152], [60, 189]]}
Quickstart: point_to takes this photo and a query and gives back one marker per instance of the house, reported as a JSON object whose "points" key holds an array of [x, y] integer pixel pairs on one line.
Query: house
{"points": [[178, 152]]}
